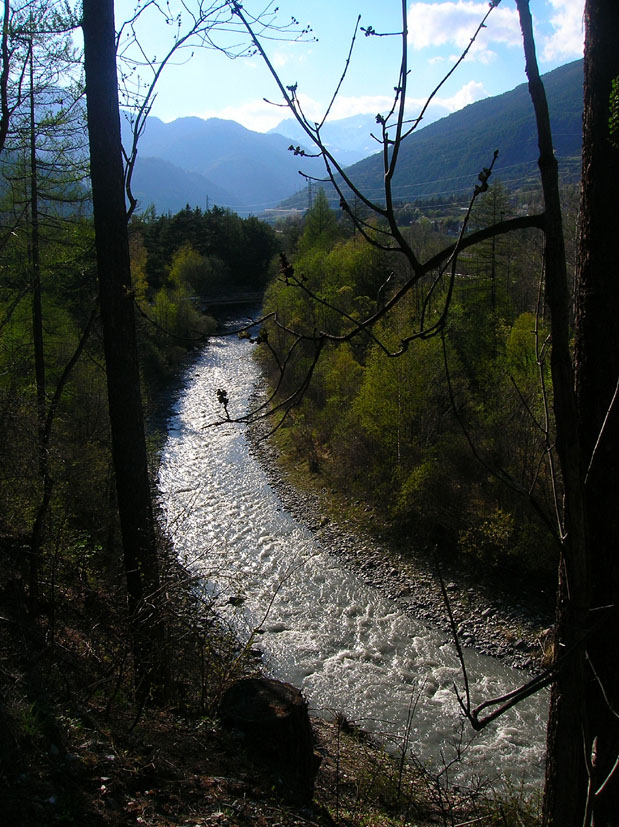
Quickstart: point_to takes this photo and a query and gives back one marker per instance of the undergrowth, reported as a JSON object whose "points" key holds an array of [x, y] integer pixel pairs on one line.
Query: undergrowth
{"points": [[74, 749]]}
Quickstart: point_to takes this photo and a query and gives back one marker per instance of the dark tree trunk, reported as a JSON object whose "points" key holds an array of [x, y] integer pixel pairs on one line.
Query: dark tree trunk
{"points": [[597, 378], [5, 66], [583, 742], [39, 350], [564, 743], [118, 320]]}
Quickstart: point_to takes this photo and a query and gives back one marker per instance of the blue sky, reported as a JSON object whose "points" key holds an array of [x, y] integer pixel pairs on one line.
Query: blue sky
{"points": [[207, 84]]}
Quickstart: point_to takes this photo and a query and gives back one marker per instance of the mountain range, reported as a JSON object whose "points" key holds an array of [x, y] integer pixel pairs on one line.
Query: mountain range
{"points": [[445, 158], [206, 162], [348, 139]]}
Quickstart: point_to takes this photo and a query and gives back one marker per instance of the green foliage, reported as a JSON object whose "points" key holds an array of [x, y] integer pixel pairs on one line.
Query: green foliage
{"points": [[174, 325], [321, 227], [187, 268], [396, 430], [235, 253], [178, 260], [80, 531], [520, 350], [489, 539]]}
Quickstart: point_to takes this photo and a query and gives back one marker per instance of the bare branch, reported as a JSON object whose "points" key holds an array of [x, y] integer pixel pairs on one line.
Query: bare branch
{"points": [[466, 704], [289, 95], [602, 430], [492, 5], [342, 76]]}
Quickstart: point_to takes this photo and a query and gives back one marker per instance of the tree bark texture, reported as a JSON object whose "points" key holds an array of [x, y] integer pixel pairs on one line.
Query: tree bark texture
{"points": [[582, 785], [597, 378], [38, 347], [117, 313]]}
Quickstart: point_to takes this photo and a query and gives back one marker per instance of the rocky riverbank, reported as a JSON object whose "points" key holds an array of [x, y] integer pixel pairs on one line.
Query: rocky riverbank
{"points": [[512, 626]]}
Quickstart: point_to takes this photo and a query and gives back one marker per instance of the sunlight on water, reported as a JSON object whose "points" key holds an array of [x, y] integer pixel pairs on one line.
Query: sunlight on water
{"points": [[322, 629]]}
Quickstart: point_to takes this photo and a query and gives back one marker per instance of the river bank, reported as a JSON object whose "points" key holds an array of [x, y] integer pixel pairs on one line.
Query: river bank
{"points": [[295, 596], [514, 626]]}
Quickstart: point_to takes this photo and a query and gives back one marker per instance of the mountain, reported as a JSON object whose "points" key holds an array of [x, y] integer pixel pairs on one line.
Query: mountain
{"points": [[216, 159], [199, 162], [171, 188], [348, 139], [446, 156]]}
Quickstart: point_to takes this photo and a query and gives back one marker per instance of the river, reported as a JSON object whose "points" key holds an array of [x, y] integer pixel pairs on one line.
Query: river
{"points": [[321, 628]]}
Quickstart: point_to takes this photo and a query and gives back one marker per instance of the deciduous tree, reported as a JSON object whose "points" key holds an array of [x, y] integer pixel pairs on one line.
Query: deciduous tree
{"points": [[582, 783], [119, 332]]}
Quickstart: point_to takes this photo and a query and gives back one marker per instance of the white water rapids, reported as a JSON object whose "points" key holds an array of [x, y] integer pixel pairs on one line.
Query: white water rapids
{"points": [[347, 647]]}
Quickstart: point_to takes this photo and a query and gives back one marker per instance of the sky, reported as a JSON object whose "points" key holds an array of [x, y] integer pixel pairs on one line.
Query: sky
{"points": [[206, 83]]}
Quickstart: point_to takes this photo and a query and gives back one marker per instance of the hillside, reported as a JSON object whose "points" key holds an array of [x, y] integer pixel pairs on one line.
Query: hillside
{"points": [[171, 188], [348, 139], [216, 159], [199, 162], [445, 157]]}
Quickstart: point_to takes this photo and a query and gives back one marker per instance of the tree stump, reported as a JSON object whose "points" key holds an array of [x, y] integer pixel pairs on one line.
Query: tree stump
{"points": [[273, 717]]}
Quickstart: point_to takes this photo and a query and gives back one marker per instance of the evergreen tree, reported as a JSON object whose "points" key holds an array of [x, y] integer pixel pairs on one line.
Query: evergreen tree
{"points": [[321, 227]]}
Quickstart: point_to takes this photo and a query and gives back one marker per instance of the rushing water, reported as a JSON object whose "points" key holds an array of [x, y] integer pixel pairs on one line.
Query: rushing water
{"points": [[322, 629]]}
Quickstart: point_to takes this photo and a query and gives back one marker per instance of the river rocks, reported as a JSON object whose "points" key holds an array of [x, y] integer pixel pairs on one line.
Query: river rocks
{"points": [[273, 718], [493, 627]]}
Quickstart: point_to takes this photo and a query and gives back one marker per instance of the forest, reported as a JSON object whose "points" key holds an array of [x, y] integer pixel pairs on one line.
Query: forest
{"points": [[62, 408], [462, 383], [398, 431], [63, 581]]}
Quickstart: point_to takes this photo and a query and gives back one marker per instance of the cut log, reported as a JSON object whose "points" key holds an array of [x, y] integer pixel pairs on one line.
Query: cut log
{"points": [[273, 717]]}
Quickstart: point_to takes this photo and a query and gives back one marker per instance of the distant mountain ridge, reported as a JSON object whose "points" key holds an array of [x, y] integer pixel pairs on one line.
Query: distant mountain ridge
{"points": [[446, 156], [206, 162], [219, 162], [349, 139]]}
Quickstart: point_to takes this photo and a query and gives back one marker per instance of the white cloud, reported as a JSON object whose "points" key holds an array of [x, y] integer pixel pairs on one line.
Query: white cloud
{"points": [[280, 59], [469, 93], [454, 22], [261, 116], [568, 36], [256, 114], [283, 58], [347, 106], [477, 54]]}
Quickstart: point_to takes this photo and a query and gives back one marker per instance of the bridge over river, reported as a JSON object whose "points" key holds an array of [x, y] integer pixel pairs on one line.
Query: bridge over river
{"points": [[229, 299]]}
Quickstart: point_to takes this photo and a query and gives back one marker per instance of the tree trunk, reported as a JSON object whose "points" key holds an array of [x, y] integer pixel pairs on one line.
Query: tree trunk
{"points": [[119, 334], [38, 349], [5, 68], [597, 378], [583, 739]]}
